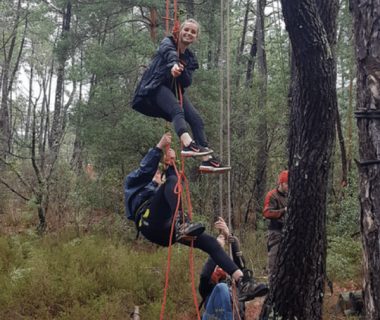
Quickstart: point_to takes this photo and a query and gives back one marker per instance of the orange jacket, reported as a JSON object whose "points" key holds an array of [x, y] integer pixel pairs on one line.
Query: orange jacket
{"points": [[274, 208]]}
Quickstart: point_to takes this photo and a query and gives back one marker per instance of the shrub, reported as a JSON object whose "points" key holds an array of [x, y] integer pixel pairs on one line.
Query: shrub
{"points": [[343, 259], [63, 276]]}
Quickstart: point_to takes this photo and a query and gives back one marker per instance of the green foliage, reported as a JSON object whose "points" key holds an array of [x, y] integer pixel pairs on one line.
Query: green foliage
{"points": [[343, 213], [343, 259], [101, 274], [101, 193], [9, 257], [66, 277], [344, 247], [254, 247]]}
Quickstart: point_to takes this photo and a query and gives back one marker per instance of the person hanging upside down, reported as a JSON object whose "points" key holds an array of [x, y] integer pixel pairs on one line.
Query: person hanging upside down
{"points": [[152, 203], [157, 94]]}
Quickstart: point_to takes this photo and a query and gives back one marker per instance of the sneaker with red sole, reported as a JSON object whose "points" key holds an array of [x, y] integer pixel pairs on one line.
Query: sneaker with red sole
{"points": [[213, 165], [195, 150]]}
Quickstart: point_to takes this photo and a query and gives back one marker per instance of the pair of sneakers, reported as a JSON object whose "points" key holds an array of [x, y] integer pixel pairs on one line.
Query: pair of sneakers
{"points": [[248, 289], [210, 165]]}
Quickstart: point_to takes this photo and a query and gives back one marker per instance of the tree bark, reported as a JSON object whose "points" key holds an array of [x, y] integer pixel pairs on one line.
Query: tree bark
{"points": [[242, 42], [76, 161], [298, 287], [30, 98], [261, 131], [6, 85], [58, 115], [366, 17], [350, 121], [251, 59], [190, 7], [153, 24], [343, 154]]}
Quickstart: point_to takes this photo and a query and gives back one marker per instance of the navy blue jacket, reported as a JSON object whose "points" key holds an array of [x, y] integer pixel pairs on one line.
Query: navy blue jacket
{"points": [[138, 185], [159, 71]]}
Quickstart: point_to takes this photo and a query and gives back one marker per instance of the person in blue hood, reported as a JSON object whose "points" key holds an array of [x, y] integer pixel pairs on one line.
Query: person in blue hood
{"points": [[151, 202], [164, 83]]}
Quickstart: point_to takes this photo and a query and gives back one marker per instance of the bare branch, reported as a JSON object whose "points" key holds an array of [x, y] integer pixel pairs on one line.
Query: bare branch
{"points": [[13, 190], [18, 175], [52, 6]]}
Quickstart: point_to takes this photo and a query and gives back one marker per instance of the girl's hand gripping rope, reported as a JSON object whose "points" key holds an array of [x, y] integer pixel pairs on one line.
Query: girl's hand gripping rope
{"points": [[176, 70], [165, 141]]}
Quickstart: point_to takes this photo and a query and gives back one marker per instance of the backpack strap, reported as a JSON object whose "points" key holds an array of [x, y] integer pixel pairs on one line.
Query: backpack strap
{"points": [[140, 214]]}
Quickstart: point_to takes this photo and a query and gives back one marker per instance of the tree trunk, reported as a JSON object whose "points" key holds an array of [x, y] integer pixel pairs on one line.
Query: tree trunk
{"points": [[298, 287], [9, 70], [261, 131], [242, 42], [76, 162], [367, 25], [343, 155], [350, 122], [153, 24], [190, 7], [5, 133], [251, 59], [30, 98], [59, 115]]}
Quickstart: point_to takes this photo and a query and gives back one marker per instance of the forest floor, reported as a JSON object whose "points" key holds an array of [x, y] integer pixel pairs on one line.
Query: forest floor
{"points": [[331, 309]]}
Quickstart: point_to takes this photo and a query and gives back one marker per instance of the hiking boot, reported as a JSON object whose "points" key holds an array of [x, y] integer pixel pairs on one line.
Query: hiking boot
{"points": [[194, 150], [213, 165], [247, 273], [188, 229], [248, 290]]}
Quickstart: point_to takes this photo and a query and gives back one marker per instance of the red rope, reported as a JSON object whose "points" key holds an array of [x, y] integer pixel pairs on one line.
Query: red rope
{"points": [[167, 18], [176, 24], [235, 302], [178, 189], [181, 178], [170, 248]]}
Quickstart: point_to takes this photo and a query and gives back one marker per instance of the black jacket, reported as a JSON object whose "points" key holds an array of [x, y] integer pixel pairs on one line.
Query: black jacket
{"points": [[138, 185], [159, 71], [206, 286]]}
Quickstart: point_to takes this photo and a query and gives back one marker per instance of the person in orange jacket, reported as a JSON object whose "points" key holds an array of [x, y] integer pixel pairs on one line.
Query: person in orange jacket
{"points": [[275, 207]]}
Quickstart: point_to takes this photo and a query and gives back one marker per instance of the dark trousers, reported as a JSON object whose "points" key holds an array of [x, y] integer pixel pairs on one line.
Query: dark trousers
{"points": [[162, 103], [156, 226], [274, 239]]}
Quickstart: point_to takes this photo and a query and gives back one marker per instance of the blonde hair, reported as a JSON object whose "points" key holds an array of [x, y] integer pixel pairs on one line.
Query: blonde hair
{"points": [[191, 20]]}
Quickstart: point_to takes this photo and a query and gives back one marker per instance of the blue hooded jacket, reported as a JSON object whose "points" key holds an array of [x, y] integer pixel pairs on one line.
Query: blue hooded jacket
{"points": [[139, 186], [159, 71]]}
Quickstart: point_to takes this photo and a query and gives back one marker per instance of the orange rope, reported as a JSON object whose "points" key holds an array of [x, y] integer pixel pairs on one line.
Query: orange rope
{"points": [[179, 190], [175, 10], [167, 18], [181, 178], [235, 302]]}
